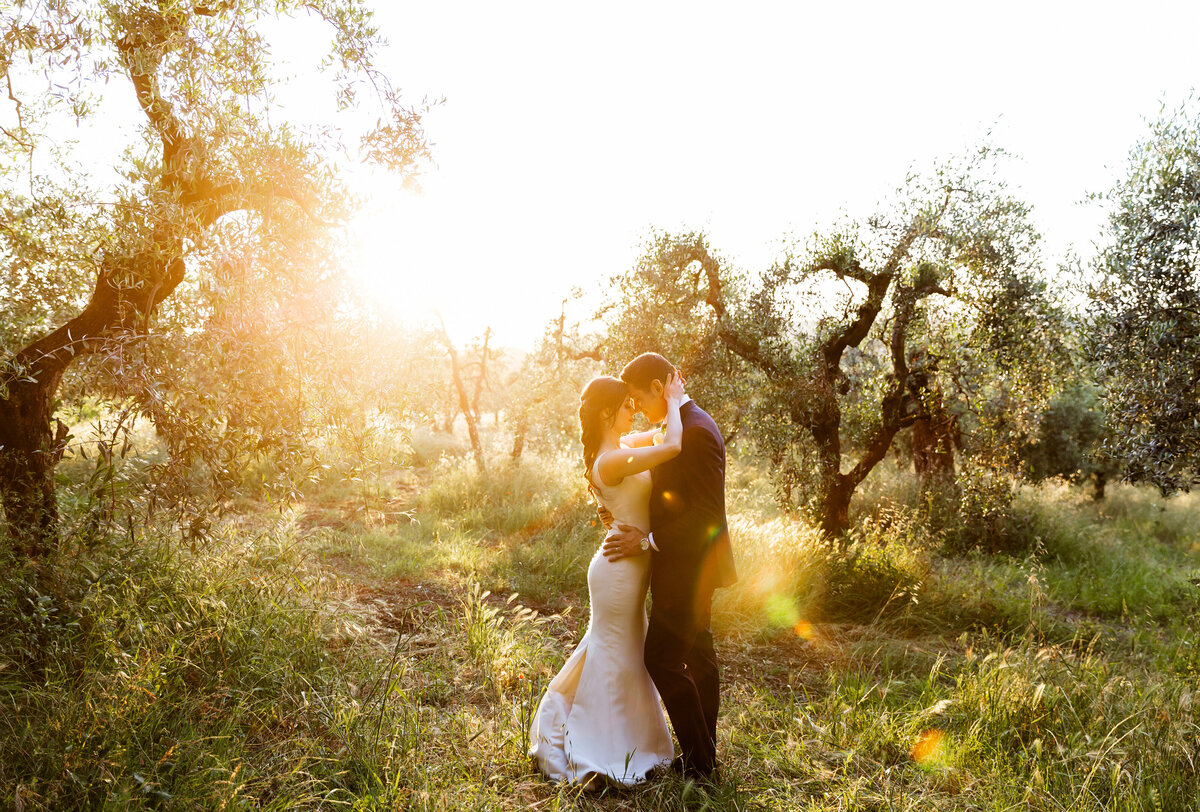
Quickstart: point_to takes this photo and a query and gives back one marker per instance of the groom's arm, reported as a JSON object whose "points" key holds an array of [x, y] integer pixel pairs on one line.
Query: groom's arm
{"points": [[699, 516]]}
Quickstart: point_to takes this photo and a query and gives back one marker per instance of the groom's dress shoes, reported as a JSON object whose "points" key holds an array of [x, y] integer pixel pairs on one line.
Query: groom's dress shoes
{"points": [[713, 776], [660, 770]]}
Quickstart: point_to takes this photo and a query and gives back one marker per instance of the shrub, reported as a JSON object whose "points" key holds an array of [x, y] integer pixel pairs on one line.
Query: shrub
{"points": [[876, 575], [983, 517]]}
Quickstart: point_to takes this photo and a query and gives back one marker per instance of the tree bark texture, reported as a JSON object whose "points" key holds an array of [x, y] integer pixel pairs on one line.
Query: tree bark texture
{"points": [[29, 452], [31, 442]]}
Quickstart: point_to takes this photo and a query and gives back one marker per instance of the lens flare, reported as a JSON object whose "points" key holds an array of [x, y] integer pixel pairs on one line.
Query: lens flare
{"points": [[782, 611], [670, 499], [804, 629], [929, 747]]}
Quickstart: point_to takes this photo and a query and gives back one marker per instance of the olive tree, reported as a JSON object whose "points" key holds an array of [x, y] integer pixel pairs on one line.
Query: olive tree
{"points": [[543, 406], [1068, 441], [214, 179], [1146, 306], [841, 331]]}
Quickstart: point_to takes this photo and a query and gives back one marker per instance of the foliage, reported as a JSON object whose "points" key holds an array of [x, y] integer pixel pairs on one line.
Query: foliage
{"points": [[543, 406], [1069, 438], [214, 233], [497, 634], [153, 674], [983, 517], [846, 336], [246, 671], [661, 305], [1146, 333]]}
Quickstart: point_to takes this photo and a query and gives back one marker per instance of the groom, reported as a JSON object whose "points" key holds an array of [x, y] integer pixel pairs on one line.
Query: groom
{"points": [[692, 557]]}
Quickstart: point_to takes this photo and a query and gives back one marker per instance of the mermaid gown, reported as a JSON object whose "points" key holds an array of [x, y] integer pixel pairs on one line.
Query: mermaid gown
{"points": [[601, 713]]}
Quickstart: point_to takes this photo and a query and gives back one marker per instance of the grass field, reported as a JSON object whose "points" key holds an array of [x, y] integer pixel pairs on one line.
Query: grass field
{"points": [[388, 654]]}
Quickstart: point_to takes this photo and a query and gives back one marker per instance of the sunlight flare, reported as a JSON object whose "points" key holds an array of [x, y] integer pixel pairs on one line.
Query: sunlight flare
{"points": [[804, 629], [929, 748], [782, 611]]}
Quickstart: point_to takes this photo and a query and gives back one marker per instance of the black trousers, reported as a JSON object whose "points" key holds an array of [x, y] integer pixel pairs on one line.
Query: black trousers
{"points": [[680, 658]]}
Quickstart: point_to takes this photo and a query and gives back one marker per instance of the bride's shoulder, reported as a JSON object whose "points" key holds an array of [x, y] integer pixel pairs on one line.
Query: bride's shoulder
{"points": [[596, 477], [594, 473]]}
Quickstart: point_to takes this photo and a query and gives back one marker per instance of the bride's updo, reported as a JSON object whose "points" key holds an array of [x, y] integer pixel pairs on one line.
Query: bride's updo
{"points": [[598, 404]]}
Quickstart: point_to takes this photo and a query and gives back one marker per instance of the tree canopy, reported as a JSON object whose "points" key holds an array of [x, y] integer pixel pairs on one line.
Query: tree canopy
{"points": [[1146, 305]]}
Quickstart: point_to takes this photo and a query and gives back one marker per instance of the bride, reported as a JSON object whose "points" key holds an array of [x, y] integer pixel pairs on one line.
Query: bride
{"points": [[601, 719]]}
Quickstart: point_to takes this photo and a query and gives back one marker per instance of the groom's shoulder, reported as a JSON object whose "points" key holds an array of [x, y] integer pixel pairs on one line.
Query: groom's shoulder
{"points": [[696, 417]]}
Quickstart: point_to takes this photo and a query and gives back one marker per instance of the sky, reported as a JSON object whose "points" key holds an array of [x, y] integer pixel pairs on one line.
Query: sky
{"points": [[566, 132]]}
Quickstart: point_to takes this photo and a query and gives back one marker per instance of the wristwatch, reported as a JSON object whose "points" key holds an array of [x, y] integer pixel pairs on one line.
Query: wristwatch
{"points": [[645, 543]]}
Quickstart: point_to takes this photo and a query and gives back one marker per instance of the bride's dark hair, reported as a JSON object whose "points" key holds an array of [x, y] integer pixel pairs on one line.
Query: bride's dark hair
{"points": [[601, 399]]}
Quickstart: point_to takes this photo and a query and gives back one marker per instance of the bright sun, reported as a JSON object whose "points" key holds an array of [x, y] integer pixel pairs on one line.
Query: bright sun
{"points": [[405, 262], [424, 254], [392, 260]]}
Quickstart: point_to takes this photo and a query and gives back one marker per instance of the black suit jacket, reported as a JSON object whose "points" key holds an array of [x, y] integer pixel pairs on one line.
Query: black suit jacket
{"points": [[687, 514]]}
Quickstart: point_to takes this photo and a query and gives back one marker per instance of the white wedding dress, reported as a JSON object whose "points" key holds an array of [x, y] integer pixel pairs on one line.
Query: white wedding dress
{"points": [[601, 713]]}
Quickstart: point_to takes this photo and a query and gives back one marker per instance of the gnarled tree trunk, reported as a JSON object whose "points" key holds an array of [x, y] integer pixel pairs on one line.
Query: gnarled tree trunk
{"points": [[129, 286], [822, 417], [31, 440], [29, 451], [934, 430]]}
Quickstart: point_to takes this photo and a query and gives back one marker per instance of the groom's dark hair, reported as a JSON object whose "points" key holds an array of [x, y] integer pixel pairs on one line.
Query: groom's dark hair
{"points": [[647, 367]]}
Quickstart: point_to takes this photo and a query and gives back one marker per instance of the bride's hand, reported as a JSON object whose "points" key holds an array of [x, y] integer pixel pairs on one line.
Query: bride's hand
{"points": [[606, 518], [674, 390]]}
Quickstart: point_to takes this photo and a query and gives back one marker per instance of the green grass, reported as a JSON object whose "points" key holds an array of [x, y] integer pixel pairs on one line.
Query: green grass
{"points": [[154, 674], [328, 657]]}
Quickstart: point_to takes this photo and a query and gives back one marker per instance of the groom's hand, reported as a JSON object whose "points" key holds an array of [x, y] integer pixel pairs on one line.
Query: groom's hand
{"points": [[606, 518], [624, 544]]}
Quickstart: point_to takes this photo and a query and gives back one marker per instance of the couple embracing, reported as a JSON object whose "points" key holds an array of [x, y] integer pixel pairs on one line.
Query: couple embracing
{"points": [[600, 721]]}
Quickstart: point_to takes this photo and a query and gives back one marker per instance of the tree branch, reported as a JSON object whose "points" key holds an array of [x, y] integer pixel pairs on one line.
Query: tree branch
{"points": [[857, 330], [24, 142], [843, 266], [464, 404], [747, 349], [596, 354], [134, 52]]}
